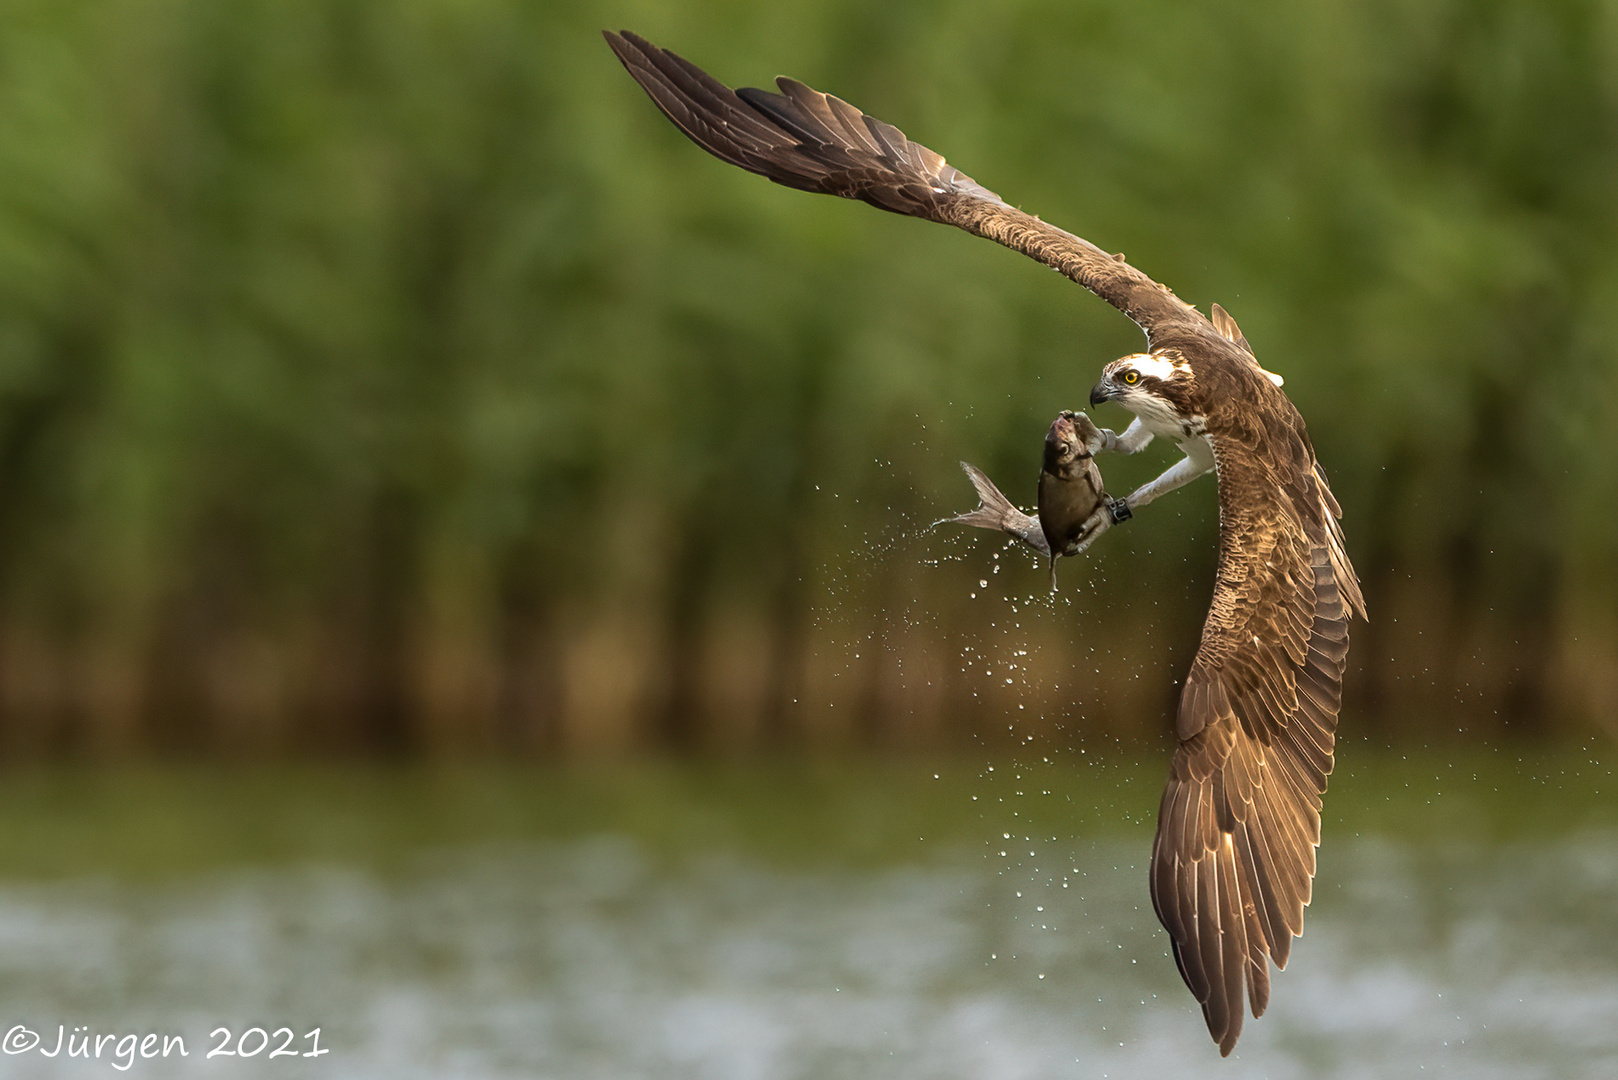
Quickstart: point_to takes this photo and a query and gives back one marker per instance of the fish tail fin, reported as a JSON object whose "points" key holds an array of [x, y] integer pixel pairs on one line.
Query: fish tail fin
{"points": [[994, 510]]}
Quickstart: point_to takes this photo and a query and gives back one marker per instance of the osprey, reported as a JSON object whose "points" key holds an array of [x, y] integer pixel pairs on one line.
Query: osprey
{"points": [[1233, 863]]}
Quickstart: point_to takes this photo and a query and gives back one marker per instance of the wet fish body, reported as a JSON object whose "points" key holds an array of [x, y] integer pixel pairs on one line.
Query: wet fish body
{"points": [[1070, 487]]}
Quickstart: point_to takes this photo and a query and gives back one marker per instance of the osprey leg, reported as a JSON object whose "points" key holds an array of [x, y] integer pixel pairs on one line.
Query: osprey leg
{"points": [[1179, 474]]}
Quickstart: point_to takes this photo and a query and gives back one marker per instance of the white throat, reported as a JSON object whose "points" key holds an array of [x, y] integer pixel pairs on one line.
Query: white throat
{"points": [[1158, 417]]}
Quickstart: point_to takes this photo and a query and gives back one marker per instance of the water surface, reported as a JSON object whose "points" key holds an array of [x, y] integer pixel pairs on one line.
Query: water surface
{"points": [[861, 921]]}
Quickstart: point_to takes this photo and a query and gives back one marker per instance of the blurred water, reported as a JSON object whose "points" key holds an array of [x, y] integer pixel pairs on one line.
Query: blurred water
{"points": [[594, 958]]}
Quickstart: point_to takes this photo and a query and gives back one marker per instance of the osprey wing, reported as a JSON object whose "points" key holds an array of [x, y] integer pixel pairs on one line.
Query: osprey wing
{"points": [[815, 142], [1234, 859]]}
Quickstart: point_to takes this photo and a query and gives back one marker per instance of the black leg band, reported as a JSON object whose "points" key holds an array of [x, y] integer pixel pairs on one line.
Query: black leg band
{"points": [[1119, 509]]}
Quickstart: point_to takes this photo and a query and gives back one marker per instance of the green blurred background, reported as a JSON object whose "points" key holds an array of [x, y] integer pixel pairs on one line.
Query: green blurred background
{"points": [[393, 379]]}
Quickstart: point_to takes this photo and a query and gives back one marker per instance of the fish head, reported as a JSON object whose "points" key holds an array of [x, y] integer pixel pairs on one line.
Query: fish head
{"points": [[1063, 442]]}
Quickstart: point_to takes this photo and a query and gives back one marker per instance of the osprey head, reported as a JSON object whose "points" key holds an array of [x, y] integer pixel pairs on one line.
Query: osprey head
{"points": [[1156, 387]]}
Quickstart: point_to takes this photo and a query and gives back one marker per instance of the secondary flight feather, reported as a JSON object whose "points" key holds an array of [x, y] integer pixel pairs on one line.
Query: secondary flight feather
{"points": [[1233, 864]]}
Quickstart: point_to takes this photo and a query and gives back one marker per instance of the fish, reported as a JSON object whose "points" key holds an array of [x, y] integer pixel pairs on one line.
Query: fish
{"points": [[1070, 487], [1070, 490]]}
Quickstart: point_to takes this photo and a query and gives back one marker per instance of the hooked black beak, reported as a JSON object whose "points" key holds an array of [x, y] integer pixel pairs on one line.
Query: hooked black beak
{"points": [[1098, 394]]}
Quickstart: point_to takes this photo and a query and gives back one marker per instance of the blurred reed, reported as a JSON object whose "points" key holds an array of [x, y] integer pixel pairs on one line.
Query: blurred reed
{"points": [[391, 378]]}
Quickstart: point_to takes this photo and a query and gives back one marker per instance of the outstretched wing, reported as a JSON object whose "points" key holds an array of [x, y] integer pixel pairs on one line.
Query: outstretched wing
{"points": [[1234, 859], [815, 142]]}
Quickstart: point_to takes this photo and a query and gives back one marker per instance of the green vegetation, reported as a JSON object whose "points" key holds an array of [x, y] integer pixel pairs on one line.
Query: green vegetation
{"points": [[391, 377], [160, 821]]}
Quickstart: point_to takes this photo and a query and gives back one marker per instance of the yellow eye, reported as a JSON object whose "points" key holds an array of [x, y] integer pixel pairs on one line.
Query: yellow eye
{"points": [[1131, 377]]}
